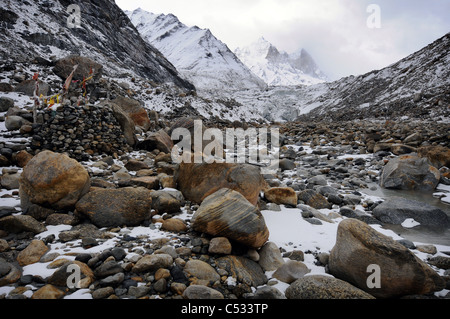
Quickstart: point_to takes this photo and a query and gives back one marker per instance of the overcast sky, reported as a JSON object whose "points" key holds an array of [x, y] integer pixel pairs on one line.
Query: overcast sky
{"points": [[335, 32]]}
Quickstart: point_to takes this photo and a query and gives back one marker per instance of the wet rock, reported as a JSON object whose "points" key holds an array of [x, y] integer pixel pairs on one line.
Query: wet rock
{"points": [[397, 210]]}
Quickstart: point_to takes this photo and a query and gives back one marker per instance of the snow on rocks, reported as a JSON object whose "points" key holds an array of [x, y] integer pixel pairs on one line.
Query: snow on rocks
{"points": [[161, 255]]}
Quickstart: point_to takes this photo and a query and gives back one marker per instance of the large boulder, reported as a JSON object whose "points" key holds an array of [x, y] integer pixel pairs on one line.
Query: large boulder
{"points": [[226, 213], [15, 122], [126, 123], [53, 180], [324, 287], [243, 269], [438, 156], [198, 181], [64, 67], [29, 86], [135, 111], [396, 210], [360, 251], [409, 172], [314, 199], [159, 140], [281, 196], [116, 207]]}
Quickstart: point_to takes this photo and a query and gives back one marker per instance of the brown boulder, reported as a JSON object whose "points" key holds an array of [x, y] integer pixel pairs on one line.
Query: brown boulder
{"points": [[409, 172], [324, 287], [197, 181], [48, 292], [116, 207], [439, 156], [64, 67], [281, 196], [33, 253], [314, 199], [53, 180], [159, 140], [243, 269], [226, 213], [135, 111], [359, 248]]}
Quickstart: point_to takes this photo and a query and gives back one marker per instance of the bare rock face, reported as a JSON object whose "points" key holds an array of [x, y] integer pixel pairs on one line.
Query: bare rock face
{"points": [[198, 181], [53, 180], [226, 213], [410, 172], [359, 248]]}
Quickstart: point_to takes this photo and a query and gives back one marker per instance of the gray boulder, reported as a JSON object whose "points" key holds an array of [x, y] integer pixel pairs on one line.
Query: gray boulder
{"points": [[409, 172], [396, 210]]}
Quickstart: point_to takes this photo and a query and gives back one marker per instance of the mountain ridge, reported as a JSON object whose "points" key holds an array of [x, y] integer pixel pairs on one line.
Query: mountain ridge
{"points": [[41, 29], [280, 68], [414, 87], [196, 53]]}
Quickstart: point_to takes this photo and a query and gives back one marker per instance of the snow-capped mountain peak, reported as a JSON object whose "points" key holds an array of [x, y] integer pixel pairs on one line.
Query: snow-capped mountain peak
{"points": [[280, 68], [196, 53]]}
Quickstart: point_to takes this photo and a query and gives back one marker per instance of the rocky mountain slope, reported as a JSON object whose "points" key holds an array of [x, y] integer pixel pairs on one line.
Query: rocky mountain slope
{"points": [[196, 53], [92, 205], [415, 87], [280, 68], [39, 29]]}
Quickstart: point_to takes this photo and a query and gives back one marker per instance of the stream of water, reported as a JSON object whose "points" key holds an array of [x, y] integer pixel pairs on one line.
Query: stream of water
{"points": [[418, 234]]}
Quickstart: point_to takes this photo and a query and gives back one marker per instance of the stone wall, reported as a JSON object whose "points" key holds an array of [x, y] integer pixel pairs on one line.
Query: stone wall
{"points": [[80, 131]]}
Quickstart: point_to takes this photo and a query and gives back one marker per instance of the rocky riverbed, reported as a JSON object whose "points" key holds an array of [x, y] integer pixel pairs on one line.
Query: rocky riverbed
{"points": [[93, 206], [137, 225]]}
